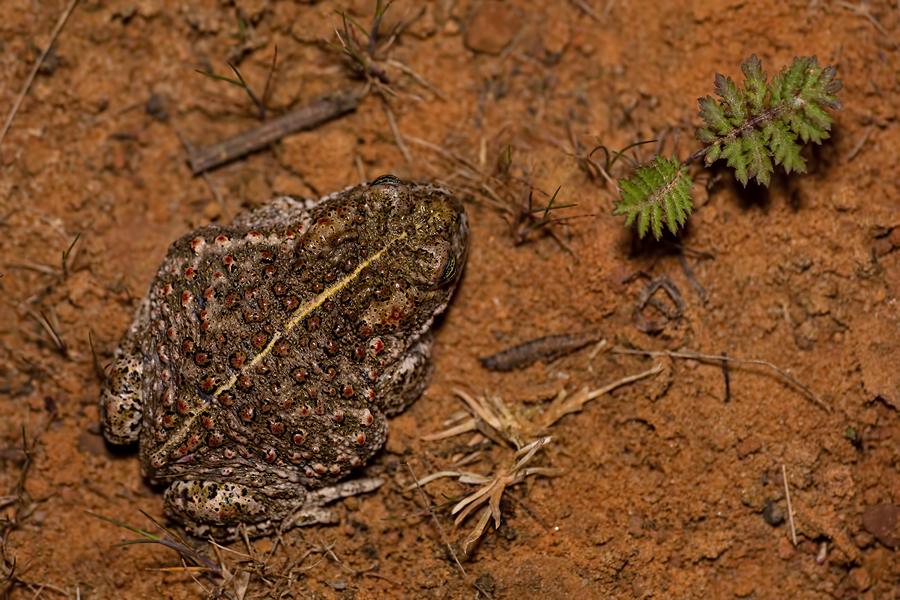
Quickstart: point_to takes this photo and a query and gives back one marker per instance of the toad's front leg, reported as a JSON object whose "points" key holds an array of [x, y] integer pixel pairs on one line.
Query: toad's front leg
{"points": [[121, 407]]}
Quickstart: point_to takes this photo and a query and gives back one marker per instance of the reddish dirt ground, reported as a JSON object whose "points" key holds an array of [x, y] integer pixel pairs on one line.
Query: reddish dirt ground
{"points": [[665, 480]]}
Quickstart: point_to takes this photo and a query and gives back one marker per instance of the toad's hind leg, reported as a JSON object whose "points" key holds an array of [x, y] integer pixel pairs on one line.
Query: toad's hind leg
{"points": [[216, 504], [120, 399], [220, 508]]}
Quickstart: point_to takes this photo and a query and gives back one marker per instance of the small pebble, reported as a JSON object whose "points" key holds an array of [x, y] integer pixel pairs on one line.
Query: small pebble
{"points": [[773, 514], [881, 521], [863, 539], [635, 526], [749, 446], [882, 246], [212, 210], [894, 237], [51, 62], [492, 28], [155, 108], [93, 444], [860, 578], [486, 582], [785, 549]]}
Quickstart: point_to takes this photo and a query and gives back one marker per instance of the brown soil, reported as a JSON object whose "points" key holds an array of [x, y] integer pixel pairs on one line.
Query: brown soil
{"points": [[665, 480]]}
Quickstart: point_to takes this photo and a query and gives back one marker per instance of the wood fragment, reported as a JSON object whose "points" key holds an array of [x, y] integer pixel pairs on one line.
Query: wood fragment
{"points": [[787, 496], [727, 378], [308, 117], [546, 348]]}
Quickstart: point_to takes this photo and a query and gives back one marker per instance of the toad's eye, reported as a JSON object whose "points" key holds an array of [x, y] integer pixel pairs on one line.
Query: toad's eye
{"points": [[450, 270], [386, 180]]}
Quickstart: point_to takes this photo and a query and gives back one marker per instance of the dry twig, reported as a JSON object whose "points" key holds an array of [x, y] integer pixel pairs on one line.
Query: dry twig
{"points": [[859, 145], [562, 406], [787, 496], [37, 65], [746, 361], [310, 116], [862, 10]]}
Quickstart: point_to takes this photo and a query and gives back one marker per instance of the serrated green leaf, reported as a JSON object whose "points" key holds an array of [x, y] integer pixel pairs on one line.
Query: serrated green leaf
{"points": [[656, 220], [759, 165], [631, 194], [777, 92], [831, 86], [645, 181], [732, 96], [705, 135], [814, 113], [643, 223], [807, 130], [793, 76], [656, 194], [755, 84], [785, 150], [672, 214], [734, 154]]}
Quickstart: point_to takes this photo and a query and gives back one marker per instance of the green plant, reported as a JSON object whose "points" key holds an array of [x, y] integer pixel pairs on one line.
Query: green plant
{"points": [[754, 129], [657, 193]]}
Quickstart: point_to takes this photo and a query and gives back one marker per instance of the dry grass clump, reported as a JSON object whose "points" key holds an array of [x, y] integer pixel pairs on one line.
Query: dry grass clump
{"points": [[490, 418]]}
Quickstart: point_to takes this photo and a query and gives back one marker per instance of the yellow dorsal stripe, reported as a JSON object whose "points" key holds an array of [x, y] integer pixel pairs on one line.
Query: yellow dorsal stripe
{"points": [[300, 314], [304, 311]]}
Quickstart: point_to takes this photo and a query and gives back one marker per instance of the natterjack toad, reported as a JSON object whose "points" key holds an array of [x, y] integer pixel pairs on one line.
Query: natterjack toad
{"points": [[260, 366]]}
